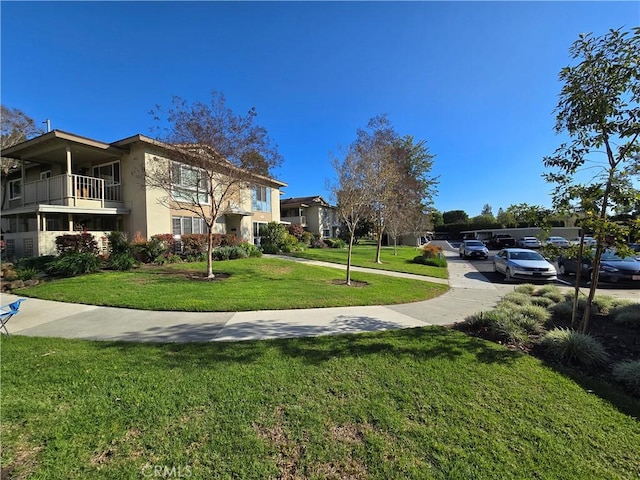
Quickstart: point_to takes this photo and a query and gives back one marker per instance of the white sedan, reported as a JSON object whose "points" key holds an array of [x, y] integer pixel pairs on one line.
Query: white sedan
{"points": [[523, 264]]}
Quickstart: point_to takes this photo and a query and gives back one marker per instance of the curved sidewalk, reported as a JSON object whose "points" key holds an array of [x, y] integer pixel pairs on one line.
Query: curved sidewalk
{"points": [[470, 292]]}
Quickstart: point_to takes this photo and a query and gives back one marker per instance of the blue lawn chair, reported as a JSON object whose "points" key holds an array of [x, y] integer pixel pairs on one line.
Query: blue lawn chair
{"points": [[8, 311]]}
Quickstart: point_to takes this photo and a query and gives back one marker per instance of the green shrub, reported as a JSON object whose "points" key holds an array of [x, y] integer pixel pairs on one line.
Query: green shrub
{"points": [[73, 264], [627, 315], [251, 250], [290, 244], [122, 261], [38, 264], [26, 273], [569, 346], [273, 236], [440, 262], [196, 257], [517, 298], [229, 253], [152, 251], [628, 373], [118, 243], [527, 288], [338, 243]]}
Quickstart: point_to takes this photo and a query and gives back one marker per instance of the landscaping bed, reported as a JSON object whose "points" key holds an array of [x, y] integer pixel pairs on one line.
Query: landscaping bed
{"points": [[610, 342]]}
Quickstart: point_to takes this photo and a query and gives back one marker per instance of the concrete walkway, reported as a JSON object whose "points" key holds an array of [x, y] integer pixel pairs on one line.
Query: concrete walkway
{"points": [[470, 293]]}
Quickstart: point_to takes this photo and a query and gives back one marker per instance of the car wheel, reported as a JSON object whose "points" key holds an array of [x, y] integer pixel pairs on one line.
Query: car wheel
{"points": [[461, 255], [507, 275]]}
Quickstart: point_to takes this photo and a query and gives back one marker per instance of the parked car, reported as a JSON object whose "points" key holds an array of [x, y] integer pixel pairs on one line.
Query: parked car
{"points": [[612, 267], [636, 248], [557, 242], [524, 264], [588, 241], [502, 240], [529, 242], [473, 249]]}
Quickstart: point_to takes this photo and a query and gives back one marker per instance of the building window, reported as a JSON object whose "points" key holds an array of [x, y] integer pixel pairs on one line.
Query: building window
{"points": [[261, 199], [109, 172], [46, 174], [10, 247], [15, 189], [28, 247], [189, 184], [326, 233], [187, 225]]}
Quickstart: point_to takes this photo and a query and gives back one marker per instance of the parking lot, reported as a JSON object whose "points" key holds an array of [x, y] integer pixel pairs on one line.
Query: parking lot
{"points": [[485, 267]]}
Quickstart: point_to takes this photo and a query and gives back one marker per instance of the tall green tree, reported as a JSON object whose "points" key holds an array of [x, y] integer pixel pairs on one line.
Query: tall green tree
{"points": [[599, 109], [455, 216]]}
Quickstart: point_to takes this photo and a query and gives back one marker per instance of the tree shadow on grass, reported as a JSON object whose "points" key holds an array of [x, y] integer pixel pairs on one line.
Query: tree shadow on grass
{"points": [[313, 346]]}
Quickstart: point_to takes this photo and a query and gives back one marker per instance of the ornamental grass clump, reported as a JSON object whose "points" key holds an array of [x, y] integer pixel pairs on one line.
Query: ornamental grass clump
{"points": [[628, 373], [604, 304], [627, 315], [542, 301], [550, 291], [528, 288], [518, 298], [563, 310], [569, 346]]}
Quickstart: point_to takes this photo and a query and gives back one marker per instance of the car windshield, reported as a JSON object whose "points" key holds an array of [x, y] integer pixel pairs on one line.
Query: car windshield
{"points": [[525, 256], [609, 256], [475, 243]]}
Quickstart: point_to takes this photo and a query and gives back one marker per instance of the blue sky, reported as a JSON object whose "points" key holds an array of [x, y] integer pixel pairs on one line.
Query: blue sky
{"points": [[477, 80]]}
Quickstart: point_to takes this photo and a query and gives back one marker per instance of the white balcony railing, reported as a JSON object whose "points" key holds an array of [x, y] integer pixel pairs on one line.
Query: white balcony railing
{"points": [[69, 189]]}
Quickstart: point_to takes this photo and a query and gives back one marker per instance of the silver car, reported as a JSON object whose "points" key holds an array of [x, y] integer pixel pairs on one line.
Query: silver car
{"points": [[523, 264], [529, 242], [473, 249], [557, 242]]}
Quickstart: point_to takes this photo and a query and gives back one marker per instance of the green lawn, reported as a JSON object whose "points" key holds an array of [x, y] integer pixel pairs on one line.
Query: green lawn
{"points": [[418, 403], [365, 255], [248, 284]]}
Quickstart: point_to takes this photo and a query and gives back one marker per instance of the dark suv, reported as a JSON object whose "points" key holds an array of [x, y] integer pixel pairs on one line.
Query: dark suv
{"points": [[502, 240]]}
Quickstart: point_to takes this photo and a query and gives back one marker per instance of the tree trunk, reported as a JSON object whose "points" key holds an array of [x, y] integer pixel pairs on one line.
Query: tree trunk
{"points": [[576, 293], [351, 234], [379, 245], [210, 255]]}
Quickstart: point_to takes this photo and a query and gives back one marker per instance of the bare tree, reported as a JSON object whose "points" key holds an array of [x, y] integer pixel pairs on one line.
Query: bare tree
{"points": [[352, 196], [214, 158], [16, 127]]}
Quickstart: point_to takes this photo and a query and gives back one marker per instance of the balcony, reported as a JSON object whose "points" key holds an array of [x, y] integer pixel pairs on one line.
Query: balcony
{"points": [[298, 220], [72, 190]]}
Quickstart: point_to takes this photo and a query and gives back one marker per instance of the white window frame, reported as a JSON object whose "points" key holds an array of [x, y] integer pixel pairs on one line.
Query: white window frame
{"points": [[196, 223], [111, 180], [189, 192], [46, 174], [12, 189]]}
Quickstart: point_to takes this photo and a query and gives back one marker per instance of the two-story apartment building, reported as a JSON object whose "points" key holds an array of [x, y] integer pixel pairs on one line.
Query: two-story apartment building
{"points": [[67, 183], [314, 214]]}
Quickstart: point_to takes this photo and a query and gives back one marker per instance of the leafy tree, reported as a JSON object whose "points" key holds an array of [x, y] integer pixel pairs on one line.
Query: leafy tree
{"points": [[455, 216], [15, 127], [225, 152], [437, 219], [599, 108], [487, 211]]}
